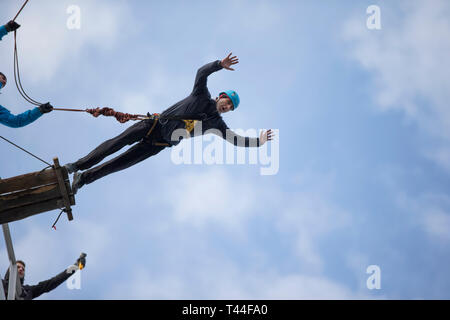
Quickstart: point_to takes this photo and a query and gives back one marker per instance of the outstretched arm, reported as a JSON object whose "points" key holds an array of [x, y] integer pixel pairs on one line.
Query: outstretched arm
{"points": [[10, 26], [21, 120], [204, 72], [202, 77], [240, 141], [48, 285]]}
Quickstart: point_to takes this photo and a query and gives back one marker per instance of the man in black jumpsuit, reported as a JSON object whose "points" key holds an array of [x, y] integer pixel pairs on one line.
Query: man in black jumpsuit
{"points": [[32, 292], [198, 103]]}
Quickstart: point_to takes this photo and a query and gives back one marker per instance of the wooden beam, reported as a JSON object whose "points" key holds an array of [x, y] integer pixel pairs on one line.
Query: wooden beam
{"points": [[63, 188], [71, 196], [27, 197], [34, 193], [29, 210], [27, 181]]}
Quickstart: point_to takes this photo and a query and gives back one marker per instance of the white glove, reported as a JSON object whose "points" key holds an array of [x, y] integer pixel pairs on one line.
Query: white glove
{"points": [[71, 269]]}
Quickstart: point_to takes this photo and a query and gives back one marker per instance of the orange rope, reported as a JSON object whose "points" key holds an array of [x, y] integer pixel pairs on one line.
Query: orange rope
{"points": [[109, 112]]}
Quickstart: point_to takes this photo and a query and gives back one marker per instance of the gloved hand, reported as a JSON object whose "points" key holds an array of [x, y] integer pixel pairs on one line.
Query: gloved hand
{"points": [[45, 108], [81, 260], [71, 269], [12, 26]]}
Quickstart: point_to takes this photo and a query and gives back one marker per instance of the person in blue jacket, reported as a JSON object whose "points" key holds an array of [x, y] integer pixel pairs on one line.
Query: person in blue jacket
{"points": [[7, 28], [23, 119]]}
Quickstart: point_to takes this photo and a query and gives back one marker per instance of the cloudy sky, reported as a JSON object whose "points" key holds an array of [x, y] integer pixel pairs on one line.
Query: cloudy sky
{"points": [[364, 148]]}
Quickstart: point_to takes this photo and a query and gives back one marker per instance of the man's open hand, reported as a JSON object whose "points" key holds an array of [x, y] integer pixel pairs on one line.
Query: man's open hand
{"points": [[265, 136], [229, 61]]}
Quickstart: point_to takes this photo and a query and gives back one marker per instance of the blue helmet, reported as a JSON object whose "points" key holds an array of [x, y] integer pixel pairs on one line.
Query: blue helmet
{"points": [[234, 97]]}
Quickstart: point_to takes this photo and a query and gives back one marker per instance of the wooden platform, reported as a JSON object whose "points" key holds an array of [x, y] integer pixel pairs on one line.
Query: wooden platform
{"points": [[33, 193]]}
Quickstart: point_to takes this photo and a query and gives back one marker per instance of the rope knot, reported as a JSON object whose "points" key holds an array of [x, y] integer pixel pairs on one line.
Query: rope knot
{"points": [[109, 112]]}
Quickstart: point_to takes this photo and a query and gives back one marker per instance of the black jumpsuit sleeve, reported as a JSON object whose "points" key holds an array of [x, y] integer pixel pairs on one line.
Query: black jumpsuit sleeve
{"points": [[48, 285], [202, 77], [234, 138]]}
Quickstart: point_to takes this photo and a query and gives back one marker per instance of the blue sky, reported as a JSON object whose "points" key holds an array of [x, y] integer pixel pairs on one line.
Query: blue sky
{"points": [[363, 134]]}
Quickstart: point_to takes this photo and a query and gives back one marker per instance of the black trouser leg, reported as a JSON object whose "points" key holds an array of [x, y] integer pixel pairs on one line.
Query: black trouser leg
{"points": [[133, 134], [135, 154]]}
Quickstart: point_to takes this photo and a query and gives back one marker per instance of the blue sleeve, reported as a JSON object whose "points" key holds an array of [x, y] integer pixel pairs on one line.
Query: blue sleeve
{"points": [[3, 32], [21, 120]]}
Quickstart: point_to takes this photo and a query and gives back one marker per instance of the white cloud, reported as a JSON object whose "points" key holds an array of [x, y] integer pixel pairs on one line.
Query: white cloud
{"points": [[307, 218], [441, 155], [157, 91], [137, 103], [184, 259], [47, 252], [46, 46], [409, 60], [210, 196], [262, 16], [32, 254], [197, 203], [307, 287], [224, 280], [437, 224], [430, 212], [196, 268]]}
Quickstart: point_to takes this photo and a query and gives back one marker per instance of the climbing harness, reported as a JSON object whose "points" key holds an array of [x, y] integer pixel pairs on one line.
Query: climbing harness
{"points": [[158, 117], [190, 124]]}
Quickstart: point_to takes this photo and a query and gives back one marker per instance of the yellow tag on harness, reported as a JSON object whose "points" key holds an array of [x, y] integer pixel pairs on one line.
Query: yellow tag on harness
{"points": [[190, 124]]}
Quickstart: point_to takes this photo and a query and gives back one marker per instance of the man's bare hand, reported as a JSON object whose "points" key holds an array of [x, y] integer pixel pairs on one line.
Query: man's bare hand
{"points": [[265, 136], [229, 61]]}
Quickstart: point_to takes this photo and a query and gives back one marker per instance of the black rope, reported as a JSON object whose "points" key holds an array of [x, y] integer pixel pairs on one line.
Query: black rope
{"points": [[49, 166], [23, 6], [26, 151], [59, 216], [17, 76]]}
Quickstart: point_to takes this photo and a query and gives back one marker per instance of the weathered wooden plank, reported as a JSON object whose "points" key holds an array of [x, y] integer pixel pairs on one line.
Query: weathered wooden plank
{"points": [[36, 192], [27, 181], [30, 210], [71, 196], [63, 188], [27, 197]]}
